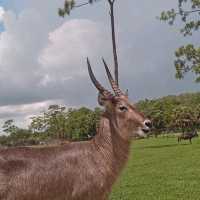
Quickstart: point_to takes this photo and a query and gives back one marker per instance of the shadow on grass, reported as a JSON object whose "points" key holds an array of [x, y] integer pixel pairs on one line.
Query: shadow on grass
{"points": [[164, 146]]}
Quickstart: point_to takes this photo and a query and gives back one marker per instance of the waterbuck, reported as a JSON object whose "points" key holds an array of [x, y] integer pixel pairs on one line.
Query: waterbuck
{"points": [[187, 136], [77, 170]]}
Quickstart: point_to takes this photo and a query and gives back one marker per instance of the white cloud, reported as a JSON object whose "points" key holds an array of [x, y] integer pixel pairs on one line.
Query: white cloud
{"points": [[26, 108], [68, 47], [20, 43], [22, 113], [38, 54]]}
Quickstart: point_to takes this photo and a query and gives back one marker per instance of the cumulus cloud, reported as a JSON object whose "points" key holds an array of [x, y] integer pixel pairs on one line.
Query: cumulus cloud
{"points": [[22, 113], [68, 47], [35, 57], [19, 46], [26, 109]]}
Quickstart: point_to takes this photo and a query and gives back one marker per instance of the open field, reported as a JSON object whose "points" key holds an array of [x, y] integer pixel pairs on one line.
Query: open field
{"points": [[161, 169]]}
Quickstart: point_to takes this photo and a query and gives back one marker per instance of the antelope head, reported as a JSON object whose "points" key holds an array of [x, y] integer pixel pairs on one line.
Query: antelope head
{"points": [[123, 114]]}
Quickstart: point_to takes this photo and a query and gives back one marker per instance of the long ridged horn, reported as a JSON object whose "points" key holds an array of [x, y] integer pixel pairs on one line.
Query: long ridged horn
{"points": [[115, 88], [101, 89]]}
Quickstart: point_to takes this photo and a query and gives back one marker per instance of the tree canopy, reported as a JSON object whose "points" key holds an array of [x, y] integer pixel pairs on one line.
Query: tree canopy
{"points": [[168, 114], [173, 113], [188, 56]]}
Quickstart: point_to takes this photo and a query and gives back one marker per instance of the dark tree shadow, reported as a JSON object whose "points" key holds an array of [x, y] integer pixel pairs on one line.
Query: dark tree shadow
{"points": [[161, 146]]}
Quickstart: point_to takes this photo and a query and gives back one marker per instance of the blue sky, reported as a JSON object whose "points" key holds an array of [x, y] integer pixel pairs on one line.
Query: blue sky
{"points": [[1, 24], [42, 56], [1, 27]]}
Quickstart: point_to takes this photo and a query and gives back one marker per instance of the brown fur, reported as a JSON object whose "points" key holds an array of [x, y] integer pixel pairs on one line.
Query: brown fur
{"points": [[75, 171]]}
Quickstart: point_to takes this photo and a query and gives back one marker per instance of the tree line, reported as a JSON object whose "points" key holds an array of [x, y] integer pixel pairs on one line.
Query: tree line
{"points": [[168, 114], [56, 122], [173, 113]]}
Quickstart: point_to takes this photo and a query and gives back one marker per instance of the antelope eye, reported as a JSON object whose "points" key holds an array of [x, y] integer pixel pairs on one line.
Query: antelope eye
{"points": [[123, 108]]}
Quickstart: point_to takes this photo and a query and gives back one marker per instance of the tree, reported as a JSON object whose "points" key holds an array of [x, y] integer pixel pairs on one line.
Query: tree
{"points": [[173, 113], [55, 119], [38, 124], [73, 124], [81, 123], [51, 123], [183, 117], [9, 127], [188, 56], [71, 4], [16, 136]]}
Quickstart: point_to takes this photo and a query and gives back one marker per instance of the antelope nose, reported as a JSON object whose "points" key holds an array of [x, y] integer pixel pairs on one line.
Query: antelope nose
{"points": [[148, 123]]}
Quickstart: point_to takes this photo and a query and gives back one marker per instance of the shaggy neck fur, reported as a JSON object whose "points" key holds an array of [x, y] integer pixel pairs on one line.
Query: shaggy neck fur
{"points": [[112, 147]]}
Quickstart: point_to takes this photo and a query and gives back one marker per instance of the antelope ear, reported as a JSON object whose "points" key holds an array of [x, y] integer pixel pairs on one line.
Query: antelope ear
{"points": [[104, 101], [101, 99]]}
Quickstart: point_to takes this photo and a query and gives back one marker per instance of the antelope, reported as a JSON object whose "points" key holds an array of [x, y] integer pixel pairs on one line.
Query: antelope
{"points": [[78, 170], [187, 136]]}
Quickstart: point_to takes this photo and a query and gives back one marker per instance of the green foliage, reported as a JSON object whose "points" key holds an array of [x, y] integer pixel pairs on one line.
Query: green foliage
{"points": [[160, 169], [55, 123], [16, 136], [191, 23], [188, 57], [72, 124], [81, 123], [70, 5], [52, 122], [173, 113], [183, 117], [38, 124], [9, 127], [169, 16]]}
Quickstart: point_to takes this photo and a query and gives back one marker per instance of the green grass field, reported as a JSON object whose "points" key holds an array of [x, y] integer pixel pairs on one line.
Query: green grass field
{"points": [[161, 169]]}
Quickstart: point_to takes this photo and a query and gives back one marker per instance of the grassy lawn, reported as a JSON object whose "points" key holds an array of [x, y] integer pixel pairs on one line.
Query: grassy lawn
{"points": [[161, 169]]}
